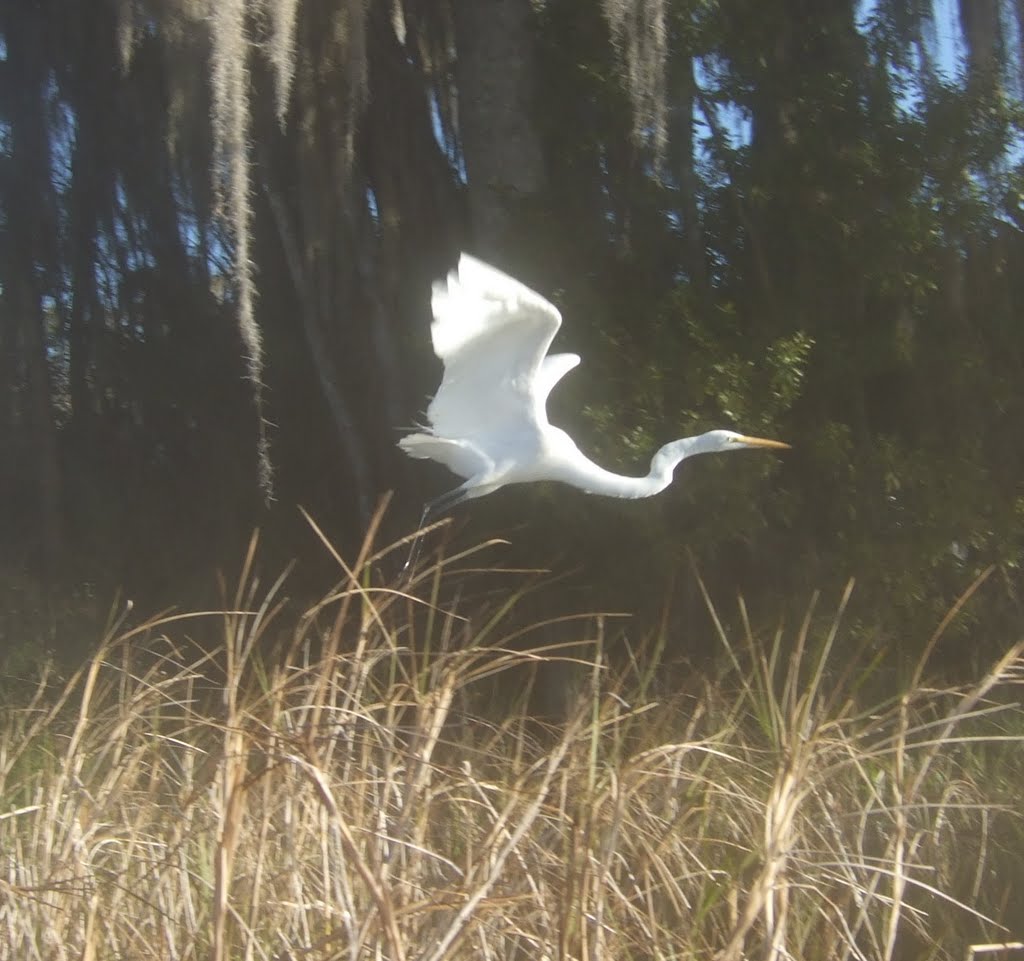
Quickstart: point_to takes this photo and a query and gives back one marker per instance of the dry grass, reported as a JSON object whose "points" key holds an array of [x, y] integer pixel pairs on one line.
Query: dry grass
{"points": [[352, 796]]}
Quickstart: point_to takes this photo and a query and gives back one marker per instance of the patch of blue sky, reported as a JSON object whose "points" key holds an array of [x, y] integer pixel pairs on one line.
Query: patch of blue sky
{"points": [[946, 38], [64, 133], [128, 228], [5, 125], [199, 236], [448, 145], [942, 36], [733, 119]]}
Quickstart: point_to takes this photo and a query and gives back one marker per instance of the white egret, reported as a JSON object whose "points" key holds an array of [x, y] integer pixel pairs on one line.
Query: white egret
{"points": [[488, 420]]}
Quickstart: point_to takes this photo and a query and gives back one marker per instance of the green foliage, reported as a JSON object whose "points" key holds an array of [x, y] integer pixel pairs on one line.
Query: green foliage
{"points": [[857, 208]]}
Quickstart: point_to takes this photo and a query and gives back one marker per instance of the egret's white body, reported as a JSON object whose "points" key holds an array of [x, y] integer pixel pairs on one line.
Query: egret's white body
{"points": [[488, 421]]}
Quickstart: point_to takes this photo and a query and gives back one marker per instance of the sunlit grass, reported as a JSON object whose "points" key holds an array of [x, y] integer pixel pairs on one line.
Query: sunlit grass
{"points": [[341, 784]]}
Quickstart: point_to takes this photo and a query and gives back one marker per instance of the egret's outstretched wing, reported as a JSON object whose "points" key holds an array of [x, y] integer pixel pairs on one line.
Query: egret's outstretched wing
{"points": [[492, 334]]}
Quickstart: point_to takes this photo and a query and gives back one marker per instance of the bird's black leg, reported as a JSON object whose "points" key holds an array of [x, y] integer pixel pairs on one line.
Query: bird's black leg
{"points": [[432, 509], [414, 548], [443, 504]]}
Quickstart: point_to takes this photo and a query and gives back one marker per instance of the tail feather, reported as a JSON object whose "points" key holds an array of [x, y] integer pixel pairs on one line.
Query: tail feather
{"points": [[459, 456]]}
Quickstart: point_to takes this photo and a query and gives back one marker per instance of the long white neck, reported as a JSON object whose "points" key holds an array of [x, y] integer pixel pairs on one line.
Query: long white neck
{"points": [[594, 479]]}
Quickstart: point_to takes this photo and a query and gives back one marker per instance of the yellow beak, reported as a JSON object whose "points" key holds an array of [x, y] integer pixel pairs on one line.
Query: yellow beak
{"points": [[762, 442]]}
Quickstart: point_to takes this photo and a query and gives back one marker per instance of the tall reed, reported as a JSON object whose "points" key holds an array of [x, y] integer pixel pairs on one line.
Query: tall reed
{"points": [[337, 783]]}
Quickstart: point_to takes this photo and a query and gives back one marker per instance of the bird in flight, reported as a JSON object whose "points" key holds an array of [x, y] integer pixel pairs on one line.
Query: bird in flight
{"points": [[488, 420]]}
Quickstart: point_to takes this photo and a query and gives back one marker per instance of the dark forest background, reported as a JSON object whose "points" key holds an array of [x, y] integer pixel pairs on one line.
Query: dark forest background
{"points": [[803, 219]]}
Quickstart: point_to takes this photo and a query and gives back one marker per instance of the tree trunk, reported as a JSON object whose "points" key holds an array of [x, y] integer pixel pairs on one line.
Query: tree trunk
{"points": [[685, 169], [495, 72], [311, 286], [30, 250], [982, 30], [41, 427]]}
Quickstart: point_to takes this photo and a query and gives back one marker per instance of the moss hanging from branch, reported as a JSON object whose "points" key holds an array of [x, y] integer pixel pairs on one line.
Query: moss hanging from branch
{"points": [[640, 37], [282, 16], [230, 69], [229, 23]]}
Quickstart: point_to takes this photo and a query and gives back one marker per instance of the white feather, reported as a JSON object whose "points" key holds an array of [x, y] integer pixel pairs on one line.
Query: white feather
{"points": [[488, 420]]}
